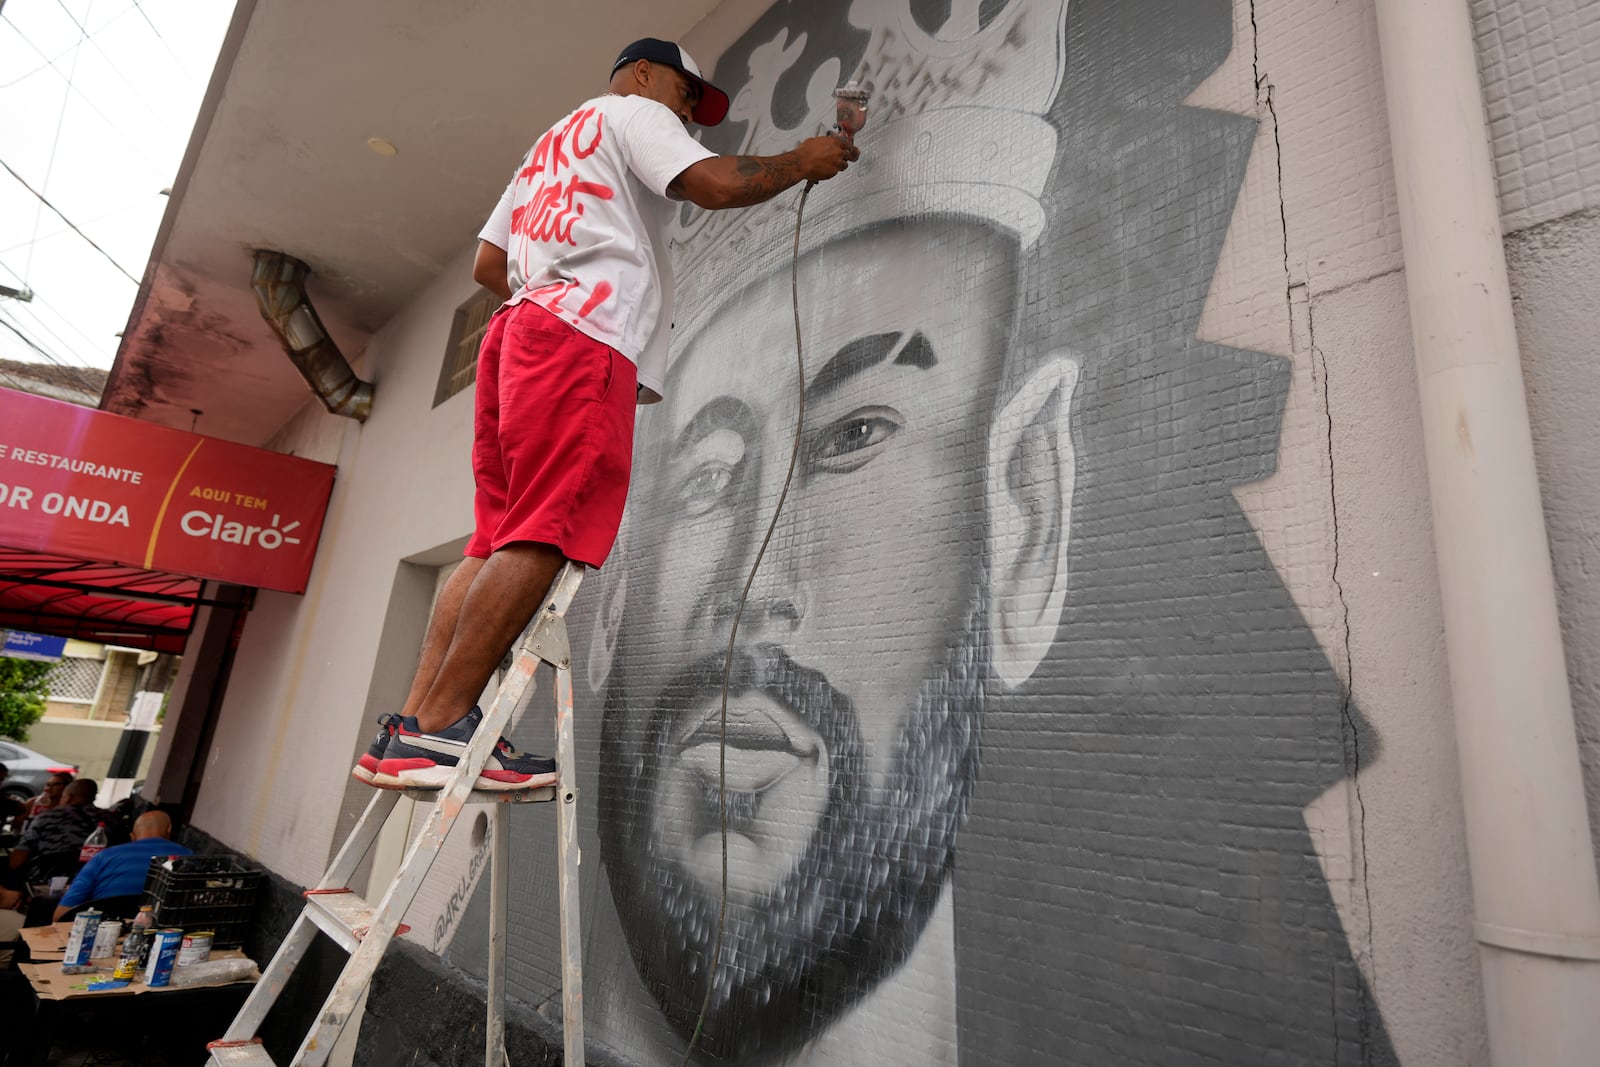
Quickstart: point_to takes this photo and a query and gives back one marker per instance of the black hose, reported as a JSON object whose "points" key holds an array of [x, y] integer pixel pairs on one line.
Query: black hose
{"points": [[733, 632]]}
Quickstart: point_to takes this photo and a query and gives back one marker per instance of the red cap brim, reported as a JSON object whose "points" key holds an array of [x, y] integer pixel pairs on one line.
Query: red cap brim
{"points": [[712, 107]]}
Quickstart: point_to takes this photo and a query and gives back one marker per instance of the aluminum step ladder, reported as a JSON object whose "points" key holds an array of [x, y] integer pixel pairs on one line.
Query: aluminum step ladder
{"points": [[364, 931]]}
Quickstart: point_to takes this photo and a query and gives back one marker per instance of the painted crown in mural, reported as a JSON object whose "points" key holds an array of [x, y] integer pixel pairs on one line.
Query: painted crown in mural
{"points": [[960, 89]]}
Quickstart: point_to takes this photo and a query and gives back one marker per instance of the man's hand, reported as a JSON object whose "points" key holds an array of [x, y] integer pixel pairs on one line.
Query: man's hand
{"points": [[823, 157], [744, 181]]}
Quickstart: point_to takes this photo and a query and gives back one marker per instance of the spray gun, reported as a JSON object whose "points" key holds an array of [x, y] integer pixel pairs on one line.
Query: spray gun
{"points": [[849, 115], [850, 110]]}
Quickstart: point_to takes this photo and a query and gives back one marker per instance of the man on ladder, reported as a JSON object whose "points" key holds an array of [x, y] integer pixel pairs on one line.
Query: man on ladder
{"points": [[576, 247]]}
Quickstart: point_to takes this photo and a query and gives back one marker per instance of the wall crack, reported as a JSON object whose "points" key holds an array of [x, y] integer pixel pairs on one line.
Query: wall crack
{"points": [[1302, 328], [1350, 735]]}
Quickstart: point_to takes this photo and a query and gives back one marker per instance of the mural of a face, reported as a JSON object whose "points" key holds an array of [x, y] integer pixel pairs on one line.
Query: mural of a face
{"points": [[1022, 712], [853, 727]]}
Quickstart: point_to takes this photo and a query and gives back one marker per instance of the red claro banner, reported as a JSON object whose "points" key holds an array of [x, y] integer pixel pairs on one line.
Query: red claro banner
{"points": [[96, 486]]}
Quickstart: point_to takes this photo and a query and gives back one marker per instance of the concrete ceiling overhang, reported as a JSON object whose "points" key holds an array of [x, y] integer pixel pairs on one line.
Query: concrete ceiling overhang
{"points": [[279, 159]]}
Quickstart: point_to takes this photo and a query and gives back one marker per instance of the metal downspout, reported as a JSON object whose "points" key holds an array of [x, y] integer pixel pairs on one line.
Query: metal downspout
{"points": [[280, 284], [1534, 884]]}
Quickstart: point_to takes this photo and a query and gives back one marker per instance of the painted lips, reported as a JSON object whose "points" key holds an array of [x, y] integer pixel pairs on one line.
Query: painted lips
{"points": [[766, 741]]}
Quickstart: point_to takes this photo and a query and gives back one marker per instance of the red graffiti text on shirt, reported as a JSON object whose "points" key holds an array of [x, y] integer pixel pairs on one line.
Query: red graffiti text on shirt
{"points": [[558, 292], [556, 204]]}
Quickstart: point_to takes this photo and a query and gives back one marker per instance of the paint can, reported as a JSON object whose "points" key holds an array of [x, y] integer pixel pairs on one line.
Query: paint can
{"points": [[80, 942], [164, 945], [196, 948], [105, 939]]}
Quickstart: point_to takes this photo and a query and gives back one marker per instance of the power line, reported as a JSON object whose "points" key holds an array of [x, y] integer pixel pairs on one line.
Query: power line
{"points": [[31, 343], [51, 357], [87, 37], [52, 62], [35, 345], [125, 208], [115, 127], [181, 68], [55, 142], [39, 320], [41, 323], [68, 221]]}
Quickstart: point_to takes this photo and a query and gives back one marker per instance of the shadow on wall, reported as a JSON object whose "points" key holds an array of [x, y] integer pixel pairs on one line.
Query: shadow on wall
{"points": [[1024, 720]]}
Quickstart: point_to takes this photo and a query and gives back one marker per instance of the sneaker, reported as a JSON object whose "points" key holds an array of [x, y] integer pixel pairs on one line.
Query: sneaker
{"points": [[367, 765], [417, 760]]}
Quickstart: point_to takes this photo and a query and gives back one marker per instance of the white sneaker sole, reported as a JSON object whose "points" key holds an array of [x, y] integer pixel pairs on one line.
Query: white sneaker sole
{"points": [[437, 777]]}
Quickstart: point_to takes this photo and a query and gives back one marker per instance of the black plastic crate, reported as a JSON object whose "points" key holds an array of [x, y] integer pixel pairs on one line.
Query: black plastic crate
{"points": [[216, 893]]}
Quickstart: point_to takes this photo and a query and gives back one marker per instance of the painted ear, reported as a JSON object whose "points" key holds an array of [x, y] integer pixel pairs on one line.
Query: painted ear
{"points": [[608, 619], [1032, 469]]}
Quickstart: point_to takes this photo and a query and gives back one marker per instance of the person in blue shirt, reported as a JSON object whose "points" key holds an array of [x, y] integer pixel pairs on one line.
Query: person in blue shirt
{"points": [[120, 870]]}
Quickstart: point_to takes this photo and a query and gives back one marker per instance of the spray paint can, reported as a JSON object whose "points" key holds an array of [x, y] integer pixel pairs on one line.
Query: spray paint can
{"points": [[105, 939], [196, 948], [80, 942], [164, 945]]}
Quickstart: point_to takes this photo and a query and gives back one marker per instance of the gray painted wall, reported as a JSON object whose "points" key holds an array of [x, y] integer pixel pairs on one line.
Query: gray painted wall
{"points": [[1027, 720]]}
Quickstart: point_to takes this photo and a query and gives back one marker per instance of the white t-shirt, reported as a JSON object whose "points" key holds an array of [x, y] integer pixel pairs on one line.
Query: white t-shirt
{"points": [[583, 225]]}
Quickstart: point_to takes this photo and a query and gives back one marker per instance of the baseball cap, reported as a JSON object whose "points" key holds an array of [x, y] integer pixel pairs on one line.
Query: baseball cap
{"points": [[712, 107]]}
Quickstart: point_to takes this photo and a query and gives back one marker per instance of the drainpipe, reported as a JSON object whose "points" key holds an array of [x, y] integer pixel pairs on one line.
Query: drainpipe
{"points": [[1534, 885], [280, 284]]}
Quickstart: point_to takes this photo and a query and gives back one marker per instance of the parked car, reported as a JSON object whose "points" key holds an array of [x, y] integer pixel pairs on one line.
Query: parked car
{"points": [[28, 769]]}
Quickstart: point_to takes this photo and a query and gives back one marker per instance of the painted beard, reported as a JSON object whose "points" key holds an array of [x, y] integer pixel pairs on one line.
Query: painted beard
{"points": [[797, 953]]}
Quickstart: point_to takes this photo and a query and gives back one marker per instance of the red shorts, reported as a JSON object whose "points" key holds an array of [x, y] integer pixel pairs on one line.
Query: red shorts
{"points": [[552, 443]]}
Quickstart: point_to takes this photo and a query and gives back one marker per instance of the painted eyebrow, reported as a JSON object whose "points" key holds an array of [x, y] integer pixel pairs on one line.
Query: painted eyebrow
{"points": [[867, 352], [721, 413]]}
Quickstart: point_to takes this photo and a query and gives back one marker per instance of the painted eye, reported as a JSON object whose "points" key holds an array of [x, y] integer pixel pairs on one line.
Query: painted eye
{"points": [[851, 442], [704, 487]]}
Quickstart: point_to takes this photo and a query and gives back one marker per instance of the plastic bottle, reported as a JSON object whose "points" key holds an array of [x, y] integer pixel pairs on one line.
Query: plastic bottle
{"points": [[94, 844], [138, 940], [132, 948], [214, 972]]}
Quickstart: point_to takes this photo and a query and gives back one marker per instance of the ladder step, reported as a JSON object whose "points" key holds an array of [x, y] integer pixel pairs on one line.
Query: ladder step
{"points": [[239, 1054], [542, 795], [365, 931], [343, 916]]}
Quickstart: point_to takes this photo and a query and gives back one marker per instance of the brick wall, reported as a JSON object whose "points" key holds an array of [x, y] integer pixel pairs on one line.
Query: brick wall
{"points": [[1026, 721]]}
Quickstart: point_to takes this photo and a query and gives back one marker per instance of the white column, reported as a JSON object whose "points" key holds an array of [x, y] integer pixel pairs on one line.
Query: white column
{"points": [[1532, 857]]}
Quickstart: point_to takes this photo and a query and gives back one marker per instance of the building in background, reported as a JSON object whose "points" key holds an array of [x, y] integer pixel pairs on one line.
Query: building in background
{"points": [[1115, 554], [75, 385], [95, 690]]}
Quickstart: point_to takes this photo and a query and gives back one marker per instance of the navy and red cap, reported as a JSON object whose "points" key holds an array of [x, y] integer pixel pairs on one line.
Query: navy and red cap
{"points": [[712, 106]]}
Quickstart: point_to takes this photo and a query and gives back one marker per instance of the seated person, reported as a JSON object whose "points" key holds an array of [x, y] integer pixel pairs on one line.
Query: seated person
{"points": [[51, 841], [54, 786], [12, 810], [120, 870]]}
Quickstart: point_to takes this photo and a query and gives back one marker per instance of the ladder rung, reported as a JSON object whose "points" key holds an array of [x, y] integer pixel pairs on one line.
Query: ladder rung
{"points": [[239, 1054], [491, 796], [343, 916], [364, 931]]}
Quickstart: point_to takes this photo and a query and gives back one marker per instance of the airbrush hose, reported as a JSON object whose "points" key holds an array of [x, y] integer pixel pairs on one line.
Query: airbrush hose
{"points": [[850, 115]]}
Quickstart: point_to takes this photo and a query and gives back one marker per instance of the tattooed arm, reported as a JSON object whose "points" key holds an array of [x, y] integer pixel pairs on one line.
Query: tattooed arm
{"points": [[743, 181]]}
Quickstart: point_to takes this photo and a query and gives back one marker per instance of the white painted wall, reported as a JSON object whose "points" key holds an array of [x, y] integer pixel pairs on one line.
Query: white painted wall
{"points": [[296, 711]]}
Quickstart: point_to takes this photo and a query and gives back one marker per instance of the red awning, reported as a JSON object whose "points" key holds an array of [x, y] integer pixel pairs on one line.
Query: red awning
{"points": [[102, 602]]}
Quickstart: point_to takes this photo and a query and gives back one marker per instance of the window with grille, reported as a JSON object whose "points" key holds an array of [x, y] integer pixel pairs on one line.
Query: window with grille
{"points": [[460, 367], [74, 680]]}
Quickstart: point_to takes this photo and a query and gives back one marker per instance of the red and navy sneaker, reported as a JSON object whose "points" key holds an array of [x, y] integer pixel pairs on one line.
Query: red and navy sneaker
{"points": [[418, 760], [367, 765]]}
